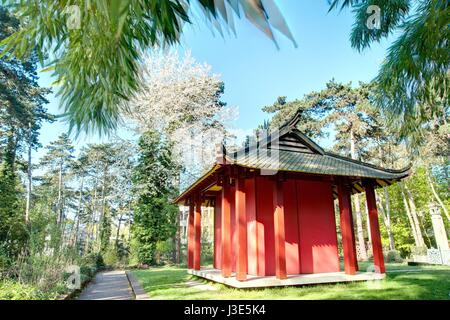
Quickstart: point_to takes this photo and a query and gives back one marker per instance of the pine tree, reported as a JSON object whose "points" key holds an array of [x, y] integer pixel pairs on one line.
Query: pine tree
{"points": [[59, 159], [22, 113], [413, 81]]}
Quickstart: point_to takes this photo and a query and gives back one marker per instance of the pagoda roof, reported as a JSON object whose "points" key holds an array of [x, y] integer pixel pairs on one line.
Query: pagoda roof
{"points": [[290, 150]]}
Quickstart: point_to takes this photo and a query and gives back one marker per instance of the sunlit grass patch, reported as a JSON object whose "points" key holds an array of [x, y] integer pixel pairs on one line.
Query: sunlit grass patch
{"points": [[429, 282]]}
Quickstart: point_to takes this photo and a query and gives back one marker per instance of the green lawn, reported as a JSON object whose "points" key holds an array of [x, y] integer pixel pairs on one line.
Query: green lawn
{"points": [[426, 282]]}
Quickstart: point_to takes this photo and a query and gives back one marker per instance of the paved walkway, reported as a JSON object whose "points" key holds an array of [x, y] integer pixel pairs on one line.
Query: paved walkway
{"points": [[110, 285]]}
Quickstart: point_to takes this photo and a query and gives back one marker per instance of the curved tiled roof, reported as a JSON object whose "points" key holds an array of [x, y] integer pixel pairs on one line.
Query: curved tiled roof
{"points": [[326, 164], [292, 151]]}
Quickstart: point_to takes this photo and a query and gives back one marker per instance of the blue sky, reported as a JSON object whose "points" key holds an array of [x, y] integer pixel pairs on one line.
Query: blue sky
{"points": [[256, 73]]}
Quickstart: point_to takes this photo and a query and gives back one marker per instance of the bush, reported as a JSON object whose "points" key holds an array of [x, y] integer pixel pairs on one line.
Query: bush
{"points": [[93, 259], [111, 257], [419, 251], [89, 265], [207, 253], [88, 271], [5, 262], [13, 290], [393, 256], [42, 270]]}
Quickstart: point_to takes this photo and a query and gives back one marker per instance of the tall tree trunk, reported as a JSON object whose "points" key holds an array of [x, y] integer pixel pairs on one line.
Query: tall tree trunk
{"points": [[9, 156], [359, 223], [385, 212], [130, 217], [63, 223], [129, 230], [412, 207], [388, 219], [360, 229], [411, 222], [178, 240], [118, 230], [418, 240], [78, 214], [59, 217], [369, 236], [29, 180], [435, 194], [103, 196], [90, 227]]}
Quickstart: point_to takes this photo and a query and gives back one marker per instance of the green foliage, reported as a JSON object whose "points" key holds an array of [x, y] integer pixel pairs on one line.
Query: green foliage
{"points": [[359, 130], [22, 113], [155, 216], [12, 290], [154, 222], [105, 232], [393, 256], [94, 259], [207, 253], [113, 35], [5, 260], [111, 257], [22, 101], [413, 81], [284, 110], [134, 249], [419, 251], [40, 269], [164, 250], [349, 114], [13, 233]]}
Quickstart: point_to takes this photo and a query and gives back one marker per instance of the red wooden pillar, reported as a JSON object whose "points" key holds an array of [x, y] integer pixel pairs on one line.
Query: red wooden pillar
{"points": [[280, 250], [226, 228], [191, 233], [377, 248], [348, 235], [198, 233], [241, 225]]}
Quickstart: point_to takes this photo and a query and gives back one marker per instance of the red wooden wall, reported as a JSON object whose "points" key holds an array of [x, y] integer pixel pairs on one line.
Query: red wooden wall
{"points": [[317, 227], [310, 227], [217, 232]]}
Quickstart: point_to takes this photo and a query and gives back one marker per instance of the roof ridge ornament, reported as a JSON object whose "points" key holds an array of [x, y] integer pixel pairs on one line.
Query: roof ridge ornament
{"points": [[292, 123]]}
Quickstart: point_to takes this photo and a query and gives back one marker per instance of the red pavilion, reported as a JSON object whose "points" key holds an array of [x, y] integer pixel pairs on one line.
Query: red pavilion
{"points": [[275, 214]]}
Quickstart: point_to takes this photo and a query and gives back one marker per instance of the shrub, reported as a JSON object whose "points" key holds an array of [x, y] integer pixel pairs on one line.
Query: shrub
{"points": [[111, 257], [88, 271], [207, 252], [393, 256], [43, 270], [419, 251], [5, 261], [13, 290], [93, 259], [134, 258]]}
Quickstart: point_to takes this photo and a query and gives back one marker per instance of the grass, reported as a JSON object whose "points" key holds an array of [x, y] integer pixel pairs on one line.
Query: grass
{"points": [[420, 282]]}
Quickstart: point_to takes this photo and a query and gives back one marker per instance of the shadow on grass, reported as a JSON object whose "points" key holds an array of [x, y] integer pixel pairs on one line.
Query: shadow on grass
{"points": [[170, 283]]}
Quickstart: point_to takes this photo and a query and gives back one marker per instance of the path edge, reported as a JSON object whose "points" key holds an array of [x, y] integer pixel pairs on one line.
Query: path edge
{"points": [[136, 287]]}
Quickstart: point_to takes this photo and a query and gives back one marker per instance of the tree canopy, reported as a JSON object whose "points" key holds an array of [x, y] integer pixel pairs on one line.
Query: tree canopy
{"points": [[95, 46], [413, 80]]}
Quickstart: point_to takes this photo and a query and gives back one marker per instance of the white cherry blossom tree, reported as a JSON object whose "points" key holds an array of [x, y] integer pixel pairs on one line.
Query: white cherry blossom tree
{"points": [[180, 98]]}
